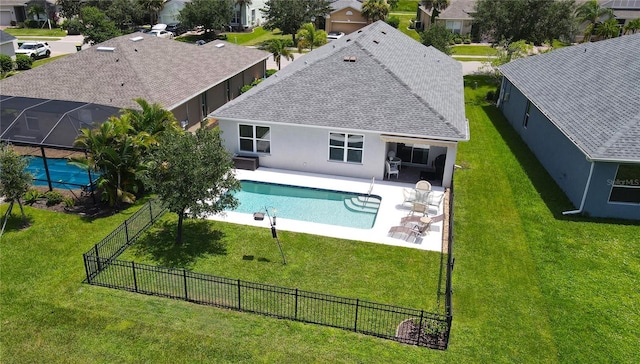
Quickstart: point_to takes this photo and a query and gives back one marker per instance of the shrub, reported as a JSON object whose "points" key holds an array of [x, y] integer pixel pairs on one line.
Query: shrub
{"points": [[245, 88], [6, 63], [23, 62], [73, 27], [69, 202], [492, 96], [53, 198], [31, 196], [13, 23], [30, 23], [271, 71], [394, 21]]}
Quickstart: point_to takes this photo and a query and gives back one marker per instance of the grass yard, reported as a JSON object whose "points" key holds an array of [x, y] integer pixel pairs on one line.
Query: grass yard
{"points": [[530, 284], [473, 50], [25, 33]]}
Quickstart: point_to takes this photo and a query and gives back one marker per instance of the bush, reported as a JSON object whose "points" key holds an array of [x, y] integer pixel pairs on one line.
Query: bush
{"points": [[30, 23], [69, 202], [271, 71], [394, 21], [31, 196], [23, 62], [53, 198], [492, 96], [6, 63], [73, 27]]}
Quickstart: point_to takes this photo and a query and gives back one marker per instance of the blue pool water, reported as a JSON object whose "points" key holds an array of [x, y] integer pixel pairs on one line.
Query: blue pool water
{"points": [[59, 171], [309, 204]]}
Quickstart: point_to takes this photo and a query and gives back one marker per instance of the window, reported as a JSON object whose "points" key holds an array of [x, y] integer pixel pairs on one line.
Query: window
{"points": [[525, 123], [253, 16], [455, 26], [626, 186], [255, 139], [346, 147]]}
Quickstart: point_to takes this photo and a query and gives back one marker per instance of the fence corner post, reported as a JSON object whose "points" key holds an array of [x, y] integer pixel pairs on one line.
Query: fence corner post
{"points": [[355, 324], [420, 327]]}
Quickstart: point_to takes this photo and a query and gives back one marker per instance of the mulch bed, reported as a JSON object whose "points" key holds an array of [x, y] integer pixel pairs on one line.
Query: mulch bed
{"points": [[84, 204], [407, 333]]}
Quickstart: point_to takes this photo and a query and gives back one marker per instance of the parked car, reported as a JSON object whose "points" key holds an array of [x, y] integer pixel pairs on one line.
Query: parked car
{"points": [[334, 35], [161, 33], [34, 49], [177, 29]]}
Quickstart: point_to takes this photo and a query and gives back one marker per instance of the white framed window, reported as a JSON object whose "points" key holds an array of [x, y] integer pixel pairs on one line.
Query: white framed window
{"points": [[625, 187], [455, 26], [254, 138], [344, 147]]}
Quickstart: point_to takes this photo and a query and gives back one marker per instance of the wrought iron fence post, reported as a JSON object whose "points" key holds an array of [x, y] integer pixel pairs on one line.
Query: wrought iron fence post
{"points": [[355, 325], [420, 327], [126, 231], [150, 212], [86, 267], [186, 294], [296, 309], [135, 280], [98, 258], [239, 298]]}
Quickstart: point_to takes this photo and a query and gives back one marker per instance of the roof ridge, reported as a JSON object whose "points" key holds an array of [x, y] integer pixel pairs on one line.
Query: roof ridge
{"points": [[622, 131]]}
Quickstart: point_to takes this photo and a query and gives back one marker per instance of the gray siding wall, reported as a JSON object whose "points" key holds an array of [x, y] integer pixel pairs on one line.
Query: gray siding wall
{"points": [[597, 203], [566, 164]]}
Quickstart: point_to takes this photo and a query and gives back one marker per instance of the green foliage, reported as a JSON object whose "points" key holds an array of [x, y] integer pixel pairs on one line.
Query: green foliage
{"points": [[374, 10], [192, 174], [591, 12], [32, 196], [6, 63], [309, 37], [508, 52], [288, 16], [69, 202], [632, 26], [73, 26], [125, 12], [278, 48], [211, 14], [96, 26], [394, 21], [270, 72], [246, 88], [608, 29], [23, 62], [14, 178], [437, 36], [53, 197]]}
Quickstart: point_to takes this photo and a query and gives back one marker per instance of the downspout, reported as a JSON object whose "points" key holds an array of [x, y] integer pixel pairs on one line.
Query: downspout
{"points": [[584, 195]]}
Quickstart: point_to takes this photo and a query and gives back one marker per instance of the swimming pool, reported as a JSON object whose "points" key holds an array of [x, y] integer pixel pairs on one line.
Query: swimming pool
{"points": [[59, 171], [309, 204]]}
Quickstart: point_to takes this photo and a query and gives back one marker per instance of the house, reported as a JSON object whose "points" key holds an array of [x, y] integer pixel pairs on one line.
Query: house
{"points": [[457, 17], [8, 44], [346, 16], [578, 110], [170, 11], [189, 80], [12, 12], [623, 10], [343, 107], [247, 15]]}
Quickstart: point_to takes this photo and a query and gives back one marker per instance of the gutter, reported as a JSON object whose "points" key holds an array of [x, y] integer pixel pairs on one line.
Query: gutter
{"points": [[584, 195]]}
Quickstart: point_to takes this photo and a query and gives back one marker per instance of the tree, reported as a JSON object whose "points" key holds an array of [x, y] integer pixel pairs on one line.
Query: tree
{"points": [[279, 49], [288, 16], [437, 36], [437, 6], [125, 12], [152, 7], [153, 119], [309, 36], [35, 11], [531, 20], [608, 29], [69, 8], [508, 52], [15, 180], [96, 27], [591, 12], [211, 14], [374, 10], [632, 26], [192, 174]]}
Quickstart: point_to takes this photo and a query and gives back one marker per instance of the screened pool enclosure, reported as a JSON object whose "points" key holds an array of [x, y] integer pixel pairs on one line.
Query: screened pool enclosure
{"points": [[49, 126]]}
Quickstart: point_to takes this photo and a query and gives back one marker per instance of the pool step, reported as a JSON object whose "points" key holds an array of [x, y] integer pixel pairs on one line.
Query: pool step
{"points": [[362, 204]]}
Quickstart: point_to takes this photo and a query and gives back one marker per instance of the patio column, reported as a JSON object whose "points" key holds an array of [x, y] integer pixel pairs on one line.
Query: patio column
{"points": [[450, 162]]}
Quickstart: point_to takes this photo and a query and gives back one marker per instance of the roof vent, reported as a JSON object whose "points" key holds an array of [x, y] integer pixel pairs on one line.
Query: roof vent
{"points": [[349, 40], [376, 41], [383, 32], [350, 58], [219, 45], [105, 49], [136, 39]]}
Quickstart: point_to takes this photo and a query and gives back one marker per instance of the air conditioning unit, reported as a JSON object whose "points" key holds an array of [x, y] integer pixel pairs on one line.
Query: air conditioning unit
{"points": [[417, 25]]}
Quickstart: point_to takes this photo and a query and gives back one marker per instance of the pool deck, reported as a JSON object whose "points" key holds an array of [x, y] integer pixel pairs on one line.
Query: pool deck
{"points": [[390, 212]]}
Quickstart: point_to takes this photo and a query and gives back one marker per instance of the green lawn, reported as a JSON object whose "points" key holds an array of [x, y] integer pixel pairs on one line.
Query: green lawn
{"points": [[530, 284], [25, 33], [473, 50]]}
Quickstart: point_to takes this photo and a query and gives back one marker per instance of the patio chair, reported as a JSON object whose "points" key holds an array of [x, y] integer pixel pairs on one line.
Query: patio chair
{"points": [[419, 208], [391, 170], [423, 185], [409, 232], [415, 220], [409, 195], [434, 200]]}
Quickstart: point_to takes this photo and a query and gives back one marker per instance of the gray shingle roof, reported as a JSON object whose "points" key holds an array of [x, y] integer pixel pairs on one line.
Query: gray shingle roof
{"points": [[457, 9], [159, 70], [6, 37], [396, 85], [341, 4], [591, 92]]}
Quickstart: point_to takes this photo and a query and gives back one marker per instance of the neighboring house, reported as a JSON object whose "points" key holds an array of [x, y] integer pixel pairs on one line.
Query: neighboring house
{"points": [[457, 17], [623, 10], [12, 11], [189, 80], [343, 107], [8, 44], [247, 16], [578, 110], [170, 11], [345, 17]]}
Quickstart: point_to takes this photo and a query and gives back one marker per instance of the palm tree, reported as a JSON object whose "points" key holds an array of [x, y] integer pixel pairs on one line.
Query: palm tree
{"points": [[437, 6], [309, 36], [374, 10], [591, 12], [609, 29], [632, 26], [153, 119], [243, 7], [153, 7], [278, 48], [35, 11]]}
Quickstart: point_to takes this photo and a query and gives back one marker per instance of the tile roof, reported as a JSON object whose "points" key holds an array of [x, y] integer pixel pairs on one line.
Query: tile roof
{"points": [[163, 71], [591, 92], [395, 85]]}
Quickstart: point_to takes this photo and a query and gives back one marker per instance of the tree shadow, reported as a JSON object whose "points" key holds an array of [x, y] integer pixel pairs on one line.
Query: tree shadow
{"points": [[198, 239]]}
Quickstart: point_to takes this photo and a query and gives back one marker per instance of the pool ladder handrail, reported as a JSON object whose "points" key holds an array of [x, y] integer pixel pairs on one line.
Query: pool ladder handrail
{"points": [[373, 181]]}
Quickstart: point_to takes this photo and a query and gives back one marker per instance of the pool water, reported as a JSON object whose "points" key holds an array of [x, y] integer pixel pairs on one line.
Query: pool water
{"points": [[62, 175], [309, 204]]}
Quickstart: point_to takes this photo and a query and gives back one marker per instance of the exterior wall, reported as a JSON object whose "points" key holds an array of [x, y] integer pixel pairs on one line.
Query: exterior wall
{"points": [[339, 21], [216, 97], [169, 14], [566, 164], [597, 201], [9, 49], [190, 111], [307, 150]]}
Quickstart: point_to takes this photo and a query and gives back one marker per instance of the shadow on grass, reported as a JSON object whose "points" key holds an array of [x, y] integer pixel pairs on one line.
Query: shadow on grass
{"points": [[198, 239]]}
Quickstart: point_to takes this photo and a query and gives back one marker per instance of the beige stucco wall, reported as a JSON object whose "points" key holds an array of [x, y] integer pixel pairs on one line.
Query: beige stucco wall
{"points": [[339, 21]]}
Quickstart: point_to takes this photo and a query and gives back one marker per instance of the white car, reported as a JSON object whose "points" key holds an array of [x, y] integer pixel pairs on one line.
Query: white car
{"points": [[34, 49], [160, 30], [334, 35]]}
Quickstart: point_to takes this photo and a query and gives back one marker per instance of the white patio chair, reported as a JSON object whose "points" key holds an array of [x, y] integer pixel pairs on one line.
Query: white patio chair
{"points": [[391, 170]]}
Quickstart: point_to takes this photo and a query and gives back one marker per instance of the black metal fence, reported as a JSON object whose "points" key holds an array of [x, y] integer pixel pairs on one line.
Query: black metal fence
{"points": [[406, 325]]}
